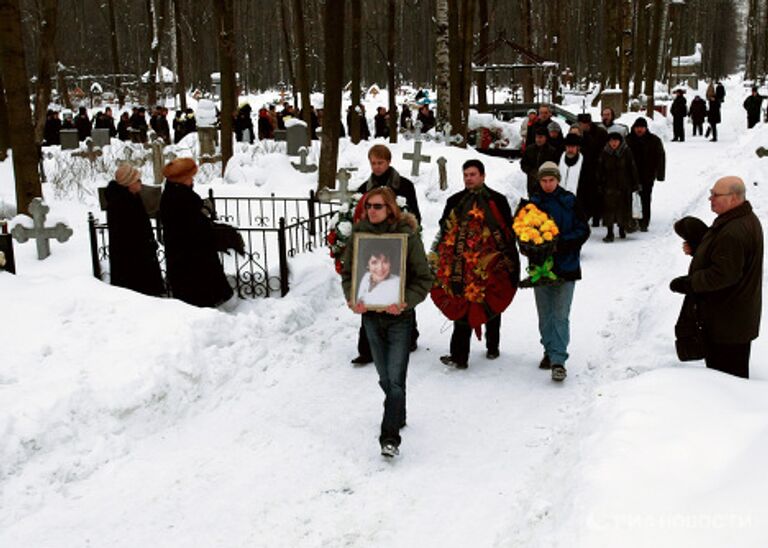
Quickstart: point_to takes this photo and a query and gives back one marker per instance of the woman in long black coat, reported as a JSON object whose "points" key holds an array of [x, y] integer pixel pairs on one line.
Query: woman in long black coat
{"points": [[617, 179], [195, 273], [132, 246]]}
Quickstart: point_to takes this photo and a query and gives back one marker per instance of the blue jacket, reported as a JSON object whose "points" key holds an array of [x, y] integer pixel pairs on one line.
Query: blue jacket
{"points": [[561, 205]]}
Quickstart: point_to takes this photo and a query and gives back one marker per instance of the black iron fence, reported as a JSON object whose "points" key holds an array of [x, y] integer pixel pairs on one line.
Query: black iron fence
{"points": [[274, 229]]}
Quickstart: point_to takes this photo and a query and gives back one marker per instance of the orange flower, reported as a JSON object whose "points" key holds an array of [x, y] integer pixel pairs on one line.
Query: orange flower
{"points": [[476, 213], [471, 258], [473, 293]]}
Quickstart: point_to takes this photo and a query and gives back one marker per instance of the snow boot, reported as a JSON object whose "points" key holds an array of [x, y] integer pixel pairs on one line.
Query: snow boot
{"points": [[558, 372], [389, 450]]}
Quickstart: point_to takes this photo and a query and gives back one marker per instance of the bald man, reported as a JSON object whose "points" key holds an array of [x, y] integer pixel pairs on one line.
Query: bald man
{"points": [[725, 279]]}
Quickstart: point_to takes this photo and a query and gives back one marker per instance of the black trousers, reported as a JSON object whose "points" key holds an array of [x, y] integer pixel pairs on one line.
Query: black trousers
{"points": [[462, 334], [645, 200], [678, 128], [364, 347], [728, 358]]}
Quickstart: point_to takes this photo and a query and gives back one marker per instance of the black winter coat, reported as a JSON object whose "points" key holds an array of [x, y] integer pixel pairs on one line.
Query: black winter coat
{"points": [[195, 274], [679, 107], [649, 156], [713, 116], [399, 185], [51, 131], [83, 125], [698, 110], [531, 161], [132, 246], [726, 276], [617, 179]]}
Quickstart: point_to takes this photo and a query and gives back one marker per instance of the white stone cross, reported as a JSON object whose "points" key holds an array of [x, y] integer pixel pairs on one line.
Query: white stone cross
{"points": [[416, 157], [303, 166], [343, 194], [91, 153], [446, 136], [41, 233]]}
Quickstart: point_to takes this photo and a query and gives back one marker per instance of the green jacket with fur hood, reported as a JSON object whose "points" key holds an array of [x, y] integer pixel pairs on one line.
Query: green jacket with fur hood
{"points": [[418, 277]]}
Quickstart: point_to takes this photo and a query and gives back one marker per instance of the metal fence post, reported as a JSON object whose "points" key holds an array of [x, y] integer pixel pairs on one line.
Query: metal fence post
{"points": [[311, 209], [96, 265], [214, 216], [283, 252]]}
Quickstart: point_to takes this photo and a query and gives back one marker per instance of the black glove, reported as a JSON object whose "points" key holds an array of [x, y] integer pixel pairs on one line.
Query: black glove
{"points": [[681, 284]]}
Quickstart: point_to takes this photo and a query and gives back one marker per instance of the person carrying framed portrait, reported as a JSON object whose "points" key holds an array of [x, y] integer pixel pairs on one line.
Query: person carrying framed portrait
{"points": [[384, 275]]}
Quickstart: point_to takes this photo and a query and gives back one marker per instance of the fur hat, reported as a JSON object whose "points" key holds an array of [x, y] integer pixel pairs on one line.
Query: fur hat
{"points": [[126, 175], [180, 170], [572, 139], [549, 169], [640, 122]]}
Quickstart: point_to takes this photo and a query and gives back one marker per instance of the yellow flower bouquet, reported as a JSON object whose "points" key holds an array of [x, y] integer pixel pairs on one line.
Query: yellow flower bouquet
{"points": [[536, 234]]}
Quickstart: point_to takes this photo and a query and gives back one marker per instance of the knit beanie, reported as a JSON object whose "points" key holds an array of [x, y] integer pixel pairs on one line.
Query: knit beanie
{"points": [[126, 175], [549, 169], [180, 170], [554, 126]]}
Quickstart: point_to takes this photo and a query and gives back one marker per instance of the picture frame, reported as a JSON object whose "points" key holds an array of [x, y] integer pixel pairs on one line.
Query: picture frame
{"points": [[378, 269]]}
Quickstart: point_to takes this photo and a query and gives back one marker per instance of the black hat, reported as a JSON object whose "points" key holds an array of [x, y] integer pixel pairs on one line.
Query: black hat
{"points": [[541, 131], [691, 229], [585, 118], [572, 139], [640, 122]]}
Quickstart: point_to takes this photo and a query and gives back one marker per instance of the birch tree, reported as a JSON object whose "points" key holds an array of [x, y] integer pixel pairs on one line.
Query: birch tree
{"points": [[442, 63]]}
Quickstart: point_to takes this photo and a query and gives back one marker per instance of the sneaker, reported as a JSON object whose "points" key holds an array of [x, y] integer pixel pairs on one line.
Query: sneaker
{"points": [[545, 363], [558, 372], [492, 354], [361, 360], [389, 450], [449, 361]]}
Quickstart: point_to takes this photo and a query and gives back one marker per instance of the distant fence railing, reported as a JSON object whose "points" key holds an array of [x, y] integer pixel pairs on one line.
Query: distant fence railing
{"points": [[274, 229]]}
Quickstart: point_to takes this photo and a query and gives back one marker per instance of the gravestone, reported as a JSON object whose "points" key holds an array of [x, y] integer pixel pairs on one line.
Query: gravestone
{"points": [[303, 166], [447, 138], [159, 157], [133, 156], [41, 233], [343, 194], [296, 137], [612, 98], [443, 172], [7, 260], [416, 158], [69, 140], [279, 135], [100, 137], [207, 141], [91, 151], [150, 196]]}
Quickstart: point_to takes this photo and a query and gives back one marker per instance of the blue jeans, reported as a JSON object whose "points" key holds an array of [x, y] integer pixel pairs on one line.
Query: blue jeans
{"points": [[390, 340], [553, 303]]}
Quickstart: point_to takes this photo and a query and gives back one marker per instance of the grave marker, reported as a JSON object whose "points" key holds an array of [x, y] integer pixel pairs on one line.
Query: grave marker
{"points": [[303, 166], [101, 137], [207, 141], [443, 172], [296, 137], [90, 153], [69, 140], [343, 193], [416, 157], [41, 233]]}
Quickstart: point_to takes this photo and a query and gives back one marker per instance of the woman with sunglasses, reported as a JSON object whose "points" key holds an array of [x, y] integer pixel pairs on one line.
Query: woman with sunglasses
{"points": [[389, 330]]}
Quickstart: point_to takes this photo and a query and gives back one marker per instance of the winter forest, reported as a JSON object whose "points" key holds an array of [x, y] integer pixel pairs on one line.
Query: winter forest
{"points": [[412, 273]]}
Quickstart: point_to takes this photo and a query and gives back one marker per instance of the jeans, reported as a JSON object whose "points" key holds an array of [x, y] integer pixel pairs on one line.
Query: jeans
{"points": [[390, 339], [553, 304], [364, 349], [462, 334]]}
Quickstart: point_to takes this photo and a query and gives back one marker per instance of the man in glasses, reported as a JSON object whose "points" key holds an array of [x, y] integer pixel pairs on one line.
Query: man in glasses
{"points": [[383, 174], [725, 279]]}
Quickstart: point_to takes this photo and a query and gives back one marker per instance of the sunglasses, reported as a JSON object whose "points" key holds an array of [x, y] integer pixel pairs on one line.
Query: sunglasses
{"points": [[377, 207]]}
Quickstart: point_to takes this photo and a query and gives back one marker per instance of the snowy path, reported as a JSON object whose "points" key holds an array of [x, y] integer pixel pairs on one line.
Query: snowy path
{"points": [[253, 430]]}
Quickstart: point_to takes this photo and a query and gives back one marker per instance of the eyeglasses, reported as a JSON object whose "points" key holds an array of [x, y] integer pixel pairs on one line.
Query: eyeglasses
{"points": [[377, 207], [716, 195]]}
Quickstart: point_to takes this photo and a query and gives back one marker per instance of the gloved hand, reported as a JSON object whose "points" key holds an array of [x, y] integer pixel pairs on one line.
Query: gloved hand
{"points": [[681, 284]]}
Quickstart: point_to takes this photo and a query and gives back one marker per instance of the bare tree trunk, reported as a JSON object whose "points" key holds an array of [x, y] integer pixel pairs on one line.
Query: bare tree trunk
{"points": [[21, 130], [442, 63], [45, 59], [357, 59], [181, 82], [456, 56], [334, 76], [466, 66], [5, 133], [641, 37], [653, 55], [156, 11], [61, 83], [302, 78], [391, 71], [116, 80], [753, 25], [625, 52], [225, 27], [482, 78], [526, 38], [287, 44]]}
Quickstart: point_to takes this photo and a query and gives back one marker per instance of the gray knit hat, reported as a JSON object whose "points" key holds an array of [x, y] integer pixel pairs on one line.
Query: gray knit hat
{"points": [[549, 169]]}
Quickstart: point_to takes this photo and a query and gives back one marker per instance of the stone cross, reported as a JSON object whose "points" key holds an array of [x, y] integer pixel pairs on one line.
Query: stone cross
{"points": [[416, 157], [446, 136], [41, 233], [140, 159], [304, 167], [443, 172], [91, 153], [762, 152], [343, 194]]}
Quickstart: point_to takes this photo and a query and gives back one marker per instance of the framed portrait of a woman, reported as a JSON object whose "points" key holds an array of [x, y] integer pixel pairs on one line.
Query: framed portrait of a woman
{"points": [[378, 269]]}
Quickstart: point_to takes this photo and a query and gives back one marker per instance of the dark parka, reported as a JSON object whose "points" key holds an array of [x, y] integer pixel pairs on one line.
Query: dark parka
{"points": [[713, 115], [649, 156], [399, 185], [83, 125], [243, 121], [532, 159], [132, 246], [726, 276], [195, 273], [418, 276], [617, 179], [698, 110], [565, 210], [752, 105], [51, 135], [592, 143]]}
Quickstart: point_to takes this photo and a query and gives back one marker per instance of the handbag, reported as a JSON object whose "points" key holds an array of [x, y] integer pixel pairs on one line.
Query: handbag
{"points": [[637, 206], [689, 333]]}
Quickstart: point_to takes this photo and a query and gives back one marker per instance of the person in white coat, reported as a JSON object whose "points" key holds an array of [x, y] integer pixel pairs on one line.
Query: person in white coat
{"points": [[571, 163]]}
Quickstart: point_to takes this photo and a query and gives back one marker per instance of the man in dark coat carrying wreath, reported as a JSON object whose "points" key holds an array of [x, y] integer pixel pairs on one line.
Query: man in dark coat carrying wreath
{"points": [[726, 279], [476, 264]]}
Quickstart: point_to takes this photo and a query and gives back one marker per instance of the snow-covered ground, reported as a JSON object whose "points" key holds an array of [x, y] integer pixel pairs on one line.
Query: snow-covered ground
{"points": [[131, 421]]}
